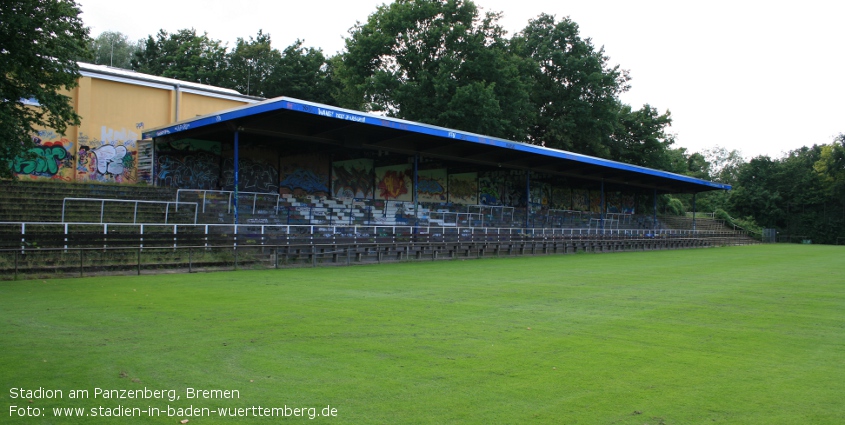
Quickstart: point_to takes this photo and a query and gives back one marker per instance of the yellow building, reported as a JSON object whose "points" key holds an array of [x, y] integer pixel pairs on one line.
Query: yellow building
{"points": [[116, 105]]}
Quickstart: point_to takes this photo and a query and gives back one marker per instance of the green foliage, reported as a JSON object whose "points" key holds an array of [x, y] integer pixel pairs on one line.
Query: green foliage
{"points": [[437, 62], [573, 90], [251, 64], [740, 335], [184, 55], [303, 73], [114, 48], [674, 206], [640, 138], [39, 44]]}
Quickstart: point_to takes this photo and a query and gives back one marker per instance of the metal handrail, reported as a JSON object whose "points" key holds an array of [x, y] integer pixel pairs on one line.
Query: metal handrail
{"points": [[230, 193], [128, 201]]}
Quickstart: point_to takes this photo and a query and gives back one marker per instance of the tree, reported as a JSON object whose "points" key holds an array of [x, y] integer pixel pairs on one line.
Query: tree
{"points": [[113, 48], [640, 137], [303, 73], [724, 164], [39, 43], [184, 55], [251, 63], [438, 62], [575, 90]]}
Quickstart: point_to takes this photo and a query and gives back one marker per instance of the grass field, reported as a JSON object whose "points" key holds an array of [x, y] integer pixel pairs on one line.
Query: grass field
{"points": [[744, 335]]}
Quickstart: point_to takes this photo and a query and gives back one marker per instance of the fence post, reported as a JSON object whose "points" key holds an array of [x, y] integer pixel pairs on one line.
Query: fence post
{"points": [[16, 265], [190, 261], [139, 261], [80, 262]]}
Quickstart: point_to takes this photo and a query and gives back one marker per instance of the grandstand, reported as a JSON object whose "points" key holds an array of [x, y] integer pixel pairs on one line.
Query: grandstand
{"points": [[287, 182]]}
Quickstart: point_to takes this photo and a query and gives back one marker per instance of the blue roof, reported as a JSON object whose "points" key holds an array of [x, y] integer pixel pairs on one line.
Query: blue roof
{"points": [[366, 119]]}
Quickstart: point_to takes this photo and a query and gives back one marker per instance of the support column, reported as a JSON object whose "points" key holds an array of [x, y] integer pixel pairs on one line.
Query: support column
{"points": [[236, 171]]}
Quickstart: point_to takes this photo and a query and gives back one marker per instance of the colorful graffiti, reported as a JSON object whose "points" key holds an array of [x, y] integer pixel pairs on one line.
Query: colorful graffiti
{"points": [[46, 160], [394, 182], [580, 200], [463, 188], [431, 185], [304, 181], [112, 158], [305, 175], [352, 179], [561, 198], [502, 188], [595, 201], [540, 194]]}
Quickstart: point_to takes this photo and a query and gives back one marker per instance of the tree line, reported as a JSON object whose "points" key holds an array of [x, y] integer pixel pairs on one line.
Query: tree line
{"points": [[443, 62]]}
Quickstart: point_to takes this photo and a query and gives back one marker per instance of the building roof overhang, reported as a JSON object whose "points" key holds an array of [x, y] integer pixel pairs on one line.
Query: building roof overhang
{"points": [[326, 127]]}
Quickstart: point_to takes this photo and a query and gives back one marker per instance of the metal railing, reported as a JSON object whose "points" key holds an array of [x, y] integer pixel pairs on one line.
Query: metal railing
{"points": [[103, 203], [230, 194], [383, 244]]}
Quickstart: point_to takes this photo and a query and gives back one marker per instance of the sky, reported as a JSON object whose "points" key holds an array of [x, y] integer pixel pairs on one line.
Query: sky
{"points": [[761, 77]]}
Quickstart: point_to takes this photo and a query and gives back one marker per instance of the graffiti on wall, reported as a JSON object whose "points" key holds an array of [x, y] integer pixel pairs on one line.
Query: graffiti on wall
{"points": [[48, 159], [502, 188], [580, 200], [629, 202], [254, 176], [394, 182], [352, 179], [305, 175], [595, 201], [613, 202], [463, 188], [199, 170], [188, 164], [541, 194], [111, 158], [561, 198], [431, 185]]}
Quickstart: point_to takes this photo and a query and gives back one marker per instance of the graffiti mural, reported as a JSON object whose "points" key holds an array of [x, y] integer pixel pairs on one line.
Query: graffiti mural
{"points": [[431, 185], [561, 198], [254, 176], [188, 164], [352, 179], [46, 160], [394, 182], [580, 200], [613, 202], [541, 194], [463, 188], [629, 202], [200, 170], [112, 158], [305, 175], [502, 188], [595, 201]]}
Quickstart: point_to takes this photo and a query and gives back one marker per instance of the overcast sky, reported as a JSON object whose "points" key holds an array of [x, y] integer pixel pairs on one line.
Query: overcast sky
{"points": [[763, 77]]}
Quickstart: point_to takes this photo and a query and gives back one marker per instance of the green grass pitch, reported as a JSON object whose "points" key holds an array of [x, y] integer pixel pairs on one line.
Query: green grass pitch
{"points": [[744, 335]]}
